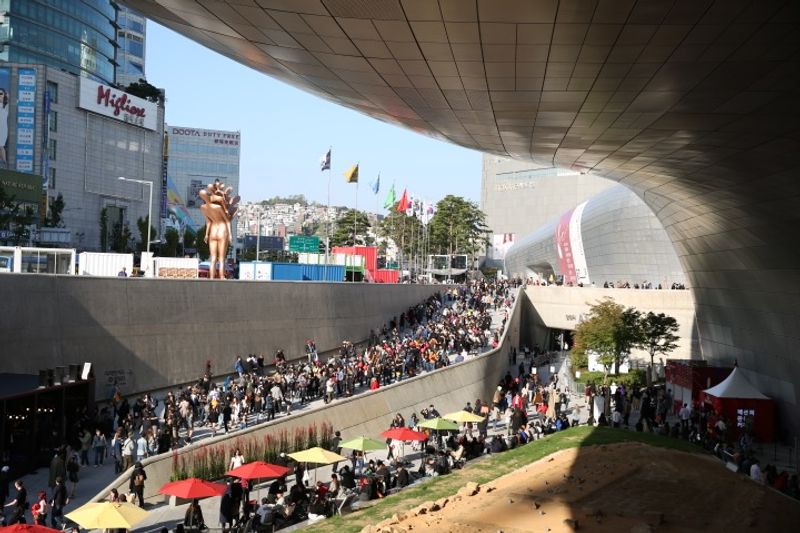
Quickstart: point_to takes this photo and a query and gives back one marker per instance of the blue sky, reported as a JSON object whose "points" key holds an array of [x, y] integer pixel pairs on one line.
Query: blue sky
{"points": [[285, 131]]}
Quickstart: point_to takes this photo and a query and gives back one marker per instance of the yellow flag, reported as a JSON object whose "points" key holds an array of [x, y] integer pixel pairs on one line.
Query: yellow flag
{"points": [[352, 175]]}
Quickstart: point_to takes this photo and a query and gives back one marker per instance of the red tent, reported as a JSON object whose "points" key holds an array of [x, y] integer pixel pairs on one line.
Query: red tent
{"points": [[743, 406]]}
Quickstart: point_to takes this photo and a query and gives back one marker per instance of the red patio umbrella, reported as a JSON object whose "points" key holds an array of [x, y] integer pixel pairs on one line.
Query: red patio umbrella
{"points": [[27, 528], [192, 488], [258, 470], [404, 434]]}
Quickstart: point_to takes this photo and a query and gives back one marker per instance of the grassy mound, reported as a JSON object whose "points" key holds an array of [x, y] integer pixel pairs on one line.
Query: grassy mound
{"points": [[491, 468]]}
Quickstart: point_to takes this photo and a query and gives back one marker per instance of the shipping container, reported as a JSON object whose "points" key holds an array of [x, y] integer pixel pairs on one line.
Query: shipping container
{"points": [[306, 272], [37, 260], [104, 264], [255, 271], [333, 259], [176, 267], [370, 254], [383, 275]]}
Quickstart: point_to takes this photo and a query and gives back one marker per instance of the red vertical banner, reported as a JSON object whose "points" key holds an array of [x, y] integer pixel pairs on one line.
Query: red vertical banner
{"points": [[566, 261]]}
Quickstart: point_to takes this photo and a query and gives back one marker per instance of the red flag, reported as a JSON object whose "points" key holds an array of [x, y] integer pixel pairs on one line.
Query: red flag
{"points": [[403, 204]]}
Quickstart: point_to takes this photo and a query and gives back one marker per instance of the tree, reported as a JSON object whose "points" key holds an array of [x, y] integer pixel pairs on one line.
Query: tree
{"points": [[15, 218], [291, 200], [458, 227], [352, 220], [202, 246], [171, 240], [189, 238], [104, 229], [141, 223], [54, 217], [610, 330], [402, 229], [657, 336], [145, 90], [121, 238], [22, 220]]}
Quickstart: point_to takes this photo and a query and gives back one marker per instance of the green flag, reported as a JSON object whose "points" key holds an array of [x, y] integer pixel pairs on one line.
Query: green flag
{"points": [[390, 200]]}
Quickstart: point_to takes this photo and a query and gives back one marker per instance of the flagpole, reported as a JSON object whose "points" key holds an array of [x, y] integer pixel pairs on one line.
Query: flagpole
{"points": [[328, 222]]}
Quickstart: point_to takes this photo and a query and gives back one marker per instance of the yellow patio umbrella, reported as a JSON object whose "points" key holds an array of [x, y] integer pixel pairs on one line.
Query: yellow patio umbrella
{"points": [[108, 515], [317, 455], [462, 417]]}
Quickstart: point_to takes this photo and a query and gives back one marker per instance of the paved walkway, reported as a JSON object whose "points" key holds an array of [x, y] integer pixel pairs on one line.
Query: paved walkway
{"points": [[92, 479]]}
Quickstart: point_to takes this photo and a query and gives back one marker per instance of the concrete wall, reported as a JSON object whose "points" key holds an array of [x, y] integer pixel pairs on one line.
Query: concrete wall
{"points": [[154, 333], [562, 307], [366, 414]]}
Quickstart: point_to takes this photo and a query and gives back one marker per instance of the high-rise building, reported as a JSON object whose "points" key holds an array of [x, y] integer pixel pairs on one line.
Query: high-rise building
{"points": [[77, 36], [519, 197], [132, 46], [195, 158], [75, 137]]}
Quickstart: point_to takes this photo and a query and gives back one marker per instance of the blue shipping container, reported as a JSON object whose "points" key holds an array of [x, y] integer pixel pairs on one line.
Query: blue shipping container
{"points": [[306, 272]]}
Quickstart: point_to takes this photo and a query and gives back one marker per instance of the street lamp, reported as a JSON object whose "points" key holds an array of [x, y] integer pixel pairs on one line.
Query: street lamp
{"points": [[150, 205]]}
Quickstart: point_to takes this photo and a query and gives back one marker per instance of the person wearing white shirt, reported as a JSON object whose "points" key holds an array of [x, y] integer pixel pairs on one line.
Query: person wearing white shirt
{"points": [[755, 472], [237, 460]]}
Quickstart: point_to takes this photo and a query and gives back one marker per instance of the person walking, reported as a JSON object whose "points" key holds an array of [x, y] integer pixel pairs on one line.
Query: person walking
{"points": [[57, 504], [128, 450], [72, 473], [18, 504], [86, 442], [226, 508], [57, 468], [136, 484], [116, 450], [99, 444], [40, 509]]}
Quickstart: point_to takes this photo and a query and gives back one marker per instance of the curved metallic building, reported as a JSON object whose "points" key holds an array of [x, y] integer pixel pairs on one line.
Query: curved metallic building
{"points": [[612, 237], [693, 104]]}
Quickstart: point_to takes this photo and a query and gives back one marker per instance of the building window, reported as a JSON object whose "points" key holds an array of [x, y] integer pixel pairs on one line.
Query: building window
{"points": [[51, 179], [52, 120], [52, 88], [52, 150]]}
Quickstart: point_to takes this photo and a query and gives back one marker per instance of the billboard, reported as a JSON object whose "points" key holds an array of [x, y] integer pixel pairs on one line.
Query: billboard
{"points": [[23, 186], [569, 247], [26, 118], [118, 105], [5, 102], [501, 243], [203, 136], [266, 242]]}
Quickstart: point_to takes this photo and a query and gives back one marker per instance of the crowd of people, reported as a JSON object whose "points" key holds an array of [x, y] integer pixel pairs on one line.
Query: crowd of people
{"points": [[653, 409], [620, 284], [526, 409], [444, 329]]}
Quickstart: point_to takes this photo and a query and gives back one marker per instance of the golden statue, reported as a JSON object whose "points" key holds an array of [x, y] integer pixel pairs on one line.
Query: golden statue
{"points": [[219, 209]]}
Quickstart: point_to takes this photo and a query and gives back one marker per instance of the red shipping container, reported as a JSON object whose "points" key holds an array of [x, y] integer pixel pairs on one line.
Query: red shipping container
{"points": [[385, 275], [370, 254]]}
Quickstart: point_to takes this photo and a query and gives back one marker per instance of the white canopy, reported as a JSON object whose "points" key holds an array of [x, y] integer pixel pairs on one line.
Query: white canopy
{"points": [[735, 386]]}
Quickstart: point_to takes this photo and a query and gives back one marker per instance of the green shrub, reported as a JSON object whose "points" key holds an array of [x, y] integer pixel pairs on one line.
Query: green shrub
{"points": [[635, 378]]}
